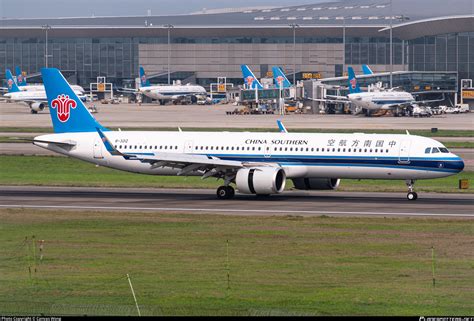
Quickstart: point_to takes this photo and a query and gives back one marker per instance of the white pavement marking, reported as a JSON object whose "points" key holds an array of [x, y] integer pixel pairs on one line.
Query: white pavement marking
{"points": [[180, 209]]}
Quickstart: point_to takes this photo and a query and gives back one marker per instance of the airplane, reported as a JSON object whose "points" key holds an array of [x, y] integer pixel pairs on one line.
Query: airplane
{"points": [[281, 81], [250, 81], [255, 162], [23, 86], [162, 93], [35, 99], [378, 100]]}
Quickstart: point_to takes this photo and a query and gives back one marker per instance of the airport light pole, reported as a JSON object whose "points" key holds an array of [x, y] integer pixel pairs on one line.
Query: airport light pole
{"points": [[294, 26], [46, 28], [343, 45], [391, 44], [169, 27]]}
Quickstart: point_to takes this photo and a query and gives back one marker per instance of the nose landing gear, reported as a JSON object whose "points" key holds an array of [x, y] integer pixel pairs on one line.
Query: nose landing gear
{"points": [[411, 196], [225, 192]]}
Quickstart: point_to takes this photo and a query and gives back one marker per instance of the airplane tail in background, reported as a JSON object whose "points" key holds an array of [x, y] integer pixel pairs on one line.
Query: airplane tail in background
{"points": [[353, 85], [280, 78], [144, 82], [249, 78], [367, 71], [11, 83], [68, 112], [20, 79]]}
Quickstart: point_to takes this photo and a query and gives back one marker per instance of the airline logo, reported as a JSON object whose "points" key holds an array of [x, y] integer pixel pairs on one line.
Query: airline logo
{"points": [[353, 83], [280, 79], [10, 83], [63, 104], [20, 78], [249, 81], [143, 79]]}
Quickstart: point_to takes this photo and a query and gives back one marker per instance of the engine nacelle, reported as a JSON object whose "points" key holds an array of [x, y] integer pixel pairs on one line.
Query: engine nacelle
{"points": [[37, 106], [316, 183], [261, 180]]}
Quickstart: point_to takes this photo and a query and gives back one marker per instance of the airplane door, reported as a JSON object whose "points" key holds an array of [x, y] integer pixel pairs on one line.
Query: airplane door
{"points": [[188, 146], [404, 152], [267, 151], [98, 149]]}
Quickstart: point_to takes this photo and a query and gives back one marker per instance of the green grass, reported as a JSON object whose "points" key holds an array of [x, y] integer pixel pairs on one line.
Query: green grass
{"points": [[276, 265], [459, 144], [62, 171], [421, 132]]}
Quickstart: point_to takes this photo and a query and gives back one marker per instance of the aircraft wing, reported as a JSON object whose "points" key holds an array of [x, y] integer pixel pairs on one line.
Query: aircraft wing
{"points": [[391, 106], [208, 165]]}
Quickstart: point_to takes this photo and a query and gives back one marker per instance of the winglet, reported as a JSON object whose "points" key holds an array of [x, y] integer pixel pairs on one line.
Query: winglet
{"points": [[108, 145], [281, 127], [408, 133], [367, 71]]}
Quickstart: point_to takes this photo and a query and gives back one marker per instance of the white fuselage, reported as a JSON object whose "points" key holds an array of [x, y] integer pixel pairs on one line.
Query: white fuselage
{"points": [[172, 92], [34, 95], [380, 100], [358, 155], [40, 87]]}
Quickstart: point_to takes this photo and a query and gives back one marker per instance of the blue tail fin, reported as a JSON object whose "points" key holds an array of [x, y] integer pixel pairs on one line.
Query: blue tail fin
{"points": [[20, 79], [353, 85], [11, 83], [280, 78], [144, 82], [249, 78], [367, 71], [68, 112]]}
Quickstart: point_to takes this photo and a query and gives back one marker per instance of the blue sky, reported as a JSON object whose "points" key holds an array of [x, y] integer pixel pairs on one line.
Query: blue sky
{"points": [[71, 8]]}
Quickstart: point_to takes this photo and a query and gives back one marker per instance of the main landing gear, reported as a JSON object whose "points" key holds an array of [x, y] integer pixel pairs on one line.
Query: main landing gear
{"points": [[225, 192], [411, 196]]}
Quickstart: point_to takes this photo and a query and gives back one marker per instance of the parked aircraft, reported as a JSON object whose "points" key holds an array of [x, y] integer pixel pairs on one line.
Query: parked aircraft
{"points": [[163, 93], [250, 81], [377, 100], [35, 99], [257, 163], [23, 86]]}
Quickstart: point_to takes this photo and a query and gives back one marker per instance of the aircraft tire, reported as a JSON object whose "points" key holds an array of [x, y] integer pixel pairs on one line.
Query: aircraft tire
{"points": [[412, 196], [225, 192]]}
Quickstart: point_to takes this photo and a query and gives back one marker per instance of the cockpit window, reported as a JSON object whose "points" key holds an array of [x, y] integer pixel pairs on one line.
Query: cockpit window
{"points": [[428, 150], [444, 150], [435, 150]]}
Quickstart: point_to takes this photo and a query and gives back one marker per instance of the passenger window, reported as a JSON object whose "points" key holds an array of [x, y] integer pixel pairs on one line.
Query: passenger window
{"points": [[312, 149], [435, 150], [333, 149], [322, 149], [232, 148], [253, 148], [427, 150], [338, 149]]}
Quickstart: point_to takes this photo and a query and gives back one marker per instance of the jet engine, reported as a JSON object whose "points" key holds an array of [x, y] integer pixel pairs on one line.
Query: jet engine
{"points": [[316, 183], [261, 180], [36, 107]]}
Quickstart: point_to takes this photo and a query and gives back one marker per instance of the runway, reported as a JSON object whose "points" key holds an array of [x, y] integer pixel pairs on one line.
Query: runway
{"points": [[198, 201]]}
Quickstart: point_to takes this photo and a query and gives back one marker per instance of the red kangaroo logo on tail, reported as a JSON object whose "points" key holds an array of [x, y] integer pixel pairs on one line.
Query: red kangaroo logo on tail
{"points": [[63, 104], [250, 80], [353, 82], [279, 79]]}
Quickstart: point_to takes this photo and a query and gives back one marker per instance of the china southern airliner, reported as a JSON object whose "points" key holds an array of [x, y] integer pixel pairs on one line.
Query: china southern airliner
{"points": [[256, 163]]}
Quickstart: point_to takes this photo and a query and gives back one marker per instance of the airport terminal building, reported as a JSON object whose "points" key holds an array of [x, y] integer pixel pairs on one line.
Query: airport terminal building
{"points": [[314, 41]]}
